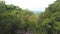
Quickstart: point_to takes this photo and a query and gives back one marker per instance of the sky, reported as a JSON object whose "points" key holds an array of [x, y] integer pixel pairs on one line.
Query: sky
{"points": [[34, 5]]}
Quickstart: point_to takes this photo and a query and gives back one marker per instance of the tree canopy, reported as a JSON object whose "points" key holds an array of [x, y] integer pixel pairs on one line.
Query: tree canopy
{"points": [[13, 18]]}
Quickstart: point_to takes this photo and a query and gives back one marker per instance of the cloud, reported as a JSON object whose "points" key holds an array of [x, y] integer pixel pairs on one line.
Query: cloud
{"points": [[31, 4]]}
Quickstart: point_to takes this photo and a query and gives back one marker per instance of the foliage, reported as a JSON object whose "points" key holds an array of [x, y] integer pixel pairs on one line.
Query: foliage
{"points": [[13, 18]]}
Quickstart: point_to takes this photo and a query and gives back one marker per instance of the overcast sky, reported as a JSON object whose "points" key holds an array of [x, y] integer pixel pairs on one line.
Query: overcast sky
{"points": [[34, 5]]}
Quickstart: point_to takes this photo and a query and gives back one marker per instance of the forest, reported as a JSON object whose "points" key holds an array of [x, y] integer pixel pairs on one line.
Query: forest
{"points": [[15, 20]]}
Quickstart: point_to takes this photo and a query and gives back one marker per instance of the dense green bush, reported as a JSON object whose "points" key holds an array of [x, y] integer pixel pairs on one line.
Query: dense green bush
{"points": [[13, 18]]}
